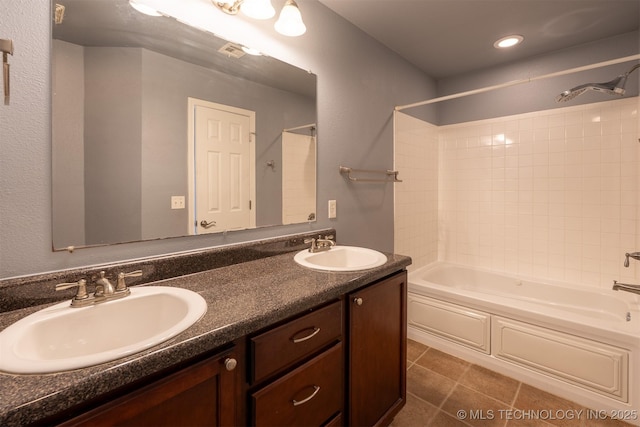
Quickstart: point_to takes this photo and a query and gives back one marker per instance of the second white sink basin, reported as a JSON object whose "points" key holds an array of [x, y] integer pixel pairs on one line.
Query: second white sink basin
{"points": [[341, 258], [60, 338]]}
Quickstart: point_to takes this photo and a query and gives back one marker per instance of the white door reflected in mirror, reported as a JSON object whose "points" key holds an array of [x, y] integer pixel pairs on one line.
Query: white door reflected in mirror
{"points": [[221, 179]]}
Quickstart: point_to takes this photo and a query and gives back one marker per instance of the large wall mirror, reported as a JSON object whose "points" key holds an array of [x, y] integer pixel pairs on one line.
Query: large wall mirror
{"points": [[162, 130]]}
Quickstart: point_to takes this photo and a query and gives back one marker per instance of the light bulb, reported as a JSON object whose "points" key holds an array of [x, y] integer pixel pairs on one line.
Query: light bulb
{"points": [[258, 9], [290, 21]]}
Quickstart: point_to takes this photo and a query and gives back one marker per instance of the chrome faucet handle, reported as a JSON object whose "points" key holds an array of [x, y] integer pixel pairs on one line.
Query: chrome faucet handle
{"points": [[634, 255], [121, 285], [313, 244], [327, 240], [80, 284]]}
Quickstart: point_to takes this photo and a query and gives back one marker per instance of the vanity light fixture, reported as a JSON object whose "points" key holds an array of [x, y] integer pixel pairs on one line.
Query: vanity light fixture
{"points": [[143, 8], [289, 22], [58, 16], [508, 41], [256, 9]]}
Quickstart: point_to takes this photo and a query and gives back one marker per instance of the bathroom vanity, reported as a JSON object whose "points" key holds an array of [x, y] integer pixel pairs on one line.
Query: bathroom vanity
{"points": [[280, 344]]}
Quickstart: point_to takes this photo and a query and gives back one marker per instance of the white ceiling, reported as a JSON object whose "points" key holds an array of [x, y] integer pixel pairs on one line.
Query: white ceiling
{"points": [[450, 37]]}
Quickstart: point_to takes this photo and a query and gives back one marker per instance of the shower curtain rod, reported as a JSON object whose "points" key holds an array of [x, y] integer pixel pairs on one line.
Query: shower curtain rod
{"points": [[517, 82], [310, 125]]}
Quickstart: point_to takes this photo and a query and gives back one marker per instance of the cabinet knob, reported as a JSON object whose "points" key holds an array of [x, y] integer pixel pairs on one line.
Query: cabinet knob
{"points": [[357, 300], [230, 363]]}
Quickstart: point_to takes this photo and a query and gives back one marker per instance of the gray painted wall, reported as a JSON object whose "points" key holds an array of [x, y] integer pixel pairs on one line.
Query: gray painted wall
{"points": [[112, 153], [359, 84], [68, 134], [538, 95]]}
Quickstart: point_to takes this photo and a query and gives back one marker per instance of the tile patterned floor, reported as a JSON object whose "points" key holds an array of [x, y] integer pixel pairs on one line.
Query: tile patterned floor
{"points": [[444, 391]]}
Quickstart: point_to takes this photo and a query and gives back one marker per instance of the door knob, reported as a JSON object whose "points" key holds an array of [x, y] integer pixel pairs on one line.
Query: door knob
{"points": [[206, 224], [357, 300]]}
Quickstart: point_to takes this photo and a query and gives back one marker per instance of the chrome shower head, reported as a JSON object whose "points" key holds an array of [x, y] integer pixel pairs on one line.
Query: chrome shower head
{"points": [[613, 87], [568, 95]]}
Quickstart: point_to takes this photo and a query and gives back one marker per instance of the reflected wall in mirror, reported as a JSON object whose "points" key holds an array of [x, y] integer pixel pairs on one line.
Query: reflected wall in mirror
{"points": [[124, 130]]}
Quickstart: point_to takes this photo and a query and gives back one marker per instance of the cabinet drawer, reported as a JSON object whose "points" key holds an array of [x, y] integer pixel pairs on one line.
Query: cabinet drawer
{"points": [[309, 395], [280, 347]]}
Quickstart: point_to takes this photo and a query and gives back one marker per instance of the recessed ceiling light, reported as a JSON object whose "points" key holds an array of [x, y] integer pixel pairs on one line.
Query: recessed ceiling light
{"points": [[508, 41]]}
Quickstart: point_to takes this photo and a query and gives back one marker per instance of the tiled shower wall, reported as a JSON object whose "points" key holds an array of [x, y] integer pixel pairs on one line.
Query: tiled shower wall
{"points": [[551, 194], [416, 197]]}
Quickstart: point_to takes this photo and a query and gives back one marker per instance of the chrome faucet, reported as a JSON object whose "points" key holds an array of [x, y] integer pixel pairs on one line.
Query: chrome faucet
{"points": [[321, 244], [104, 288], [105, 291], [634, 289], [634, 255]]}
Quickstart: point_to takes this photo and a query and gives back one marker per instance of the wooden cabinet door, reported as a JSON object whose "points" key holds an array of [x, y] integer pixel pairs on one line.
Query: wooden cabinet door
{"points": [[200, 395], [377, 351]]}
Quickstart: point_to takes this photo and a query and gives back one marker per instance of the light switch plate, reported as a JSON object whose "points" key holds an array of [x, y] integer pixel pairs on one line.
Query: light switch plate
{"points": [[332, 209], [177, 202]]}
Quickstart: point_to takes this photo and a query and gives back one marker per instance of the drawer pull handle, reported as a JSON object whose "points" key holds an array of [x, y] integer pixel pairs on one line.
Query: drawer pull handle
{"points": [[316, 389], [311, 335]]}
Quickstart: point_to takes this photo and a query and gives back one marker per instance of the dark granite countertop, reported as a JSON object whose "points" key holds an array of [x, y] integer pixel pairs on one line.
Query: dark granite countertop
{"points": [[241, 298]]}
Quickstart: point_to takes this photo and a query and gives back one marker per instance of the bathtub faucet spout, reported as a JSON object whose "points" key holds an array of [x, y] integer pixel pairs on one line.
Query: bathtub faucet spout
{"points": [[635, 289]]}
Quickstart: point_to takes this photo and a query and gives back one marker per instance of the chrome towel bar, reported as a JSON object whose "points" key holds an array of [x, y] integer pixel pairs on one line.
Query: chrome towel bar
{"points": [[389, 174]]}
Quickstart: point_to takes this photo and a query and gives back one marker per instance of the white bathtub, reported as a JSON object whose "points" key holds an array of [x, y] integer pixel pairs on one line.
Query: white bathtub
{"points": [[578, 342]]}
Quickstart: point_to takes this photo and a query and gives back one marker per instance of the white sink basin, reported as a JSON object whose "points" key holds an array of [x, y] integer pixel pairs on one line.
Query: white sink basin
{"points": [[341, 258], [60, 338]]}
